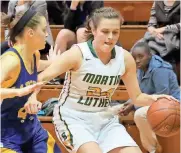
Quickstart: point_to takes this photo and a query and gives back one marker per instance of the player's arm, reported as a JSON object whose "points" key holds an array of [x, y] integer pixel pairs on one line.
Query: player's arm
{"points": [[8, 71], [130, 80], [10, 93], [69, 60], [10, 68]]}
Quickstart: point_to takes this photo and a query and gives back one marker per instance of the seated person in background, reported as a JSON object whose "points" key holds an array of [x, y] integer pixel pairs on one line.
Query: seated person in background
{"points": [[55, 12], [16, 6], [75, 14], [165, 16], [4, 6], [155, 76]]}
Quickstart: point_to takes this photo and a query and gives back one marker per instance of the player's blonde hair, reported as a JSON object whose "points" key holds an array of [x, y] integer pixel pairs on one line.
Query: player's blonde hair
{"points": [[12, 20]]}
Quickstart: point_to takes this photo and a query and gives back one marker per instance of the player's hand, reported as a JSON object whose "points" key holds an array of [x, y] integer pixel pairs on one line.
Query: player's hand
{"points": [[32, 106], [53, 53], [156, 97], [27, 90], [126, 109]]}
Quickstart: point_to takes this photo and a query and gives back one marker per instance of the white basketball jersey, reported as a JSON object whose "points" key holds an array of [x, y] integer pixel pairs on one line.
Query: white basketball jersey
{"points": [[91, 87]]}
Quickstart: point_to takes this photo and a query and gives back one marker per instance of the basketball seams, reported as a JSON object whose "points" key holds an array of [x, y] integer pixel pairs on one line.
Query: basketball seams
{"points": [[162, 109], [175, 117], [163, 117], [155, 128]]}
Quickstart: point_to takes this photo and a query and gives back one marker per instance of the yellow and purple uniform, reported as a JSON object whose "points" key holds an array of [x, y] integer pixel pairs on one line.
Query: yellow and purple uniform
{"points": [[22, 132]]}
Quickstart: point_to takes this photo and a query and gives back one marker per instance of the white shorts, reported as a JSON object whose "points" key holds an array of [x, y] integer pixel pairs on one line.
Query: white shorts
{"points": [[74, 128]]}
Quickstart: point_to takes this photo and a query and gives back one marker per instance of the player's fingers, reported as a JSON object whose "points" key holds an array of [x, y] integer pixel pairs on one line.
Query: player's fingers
{"points": [[34, 108], [32, 88], [121, 114], [167, 97], [39, 106], [51, 49], [59, 52], [154, 98], [27, 108], [48, 57], [55, 48], [174, 99], [40, 84]]}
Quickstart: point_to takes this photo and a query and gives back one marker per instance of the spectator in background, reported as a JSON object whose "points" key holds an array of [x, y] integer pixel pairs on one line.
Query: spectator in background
{"points": [[75, 14], [55, 12], [165, 17], [4, 6], [16, 6], [155, 76], [163, 35]]}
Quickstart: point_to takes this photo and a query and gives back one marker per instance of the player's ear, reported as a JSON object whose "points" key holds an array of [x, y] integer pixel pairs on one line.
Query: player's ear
{"points": [[30, 32], [93, 31]]}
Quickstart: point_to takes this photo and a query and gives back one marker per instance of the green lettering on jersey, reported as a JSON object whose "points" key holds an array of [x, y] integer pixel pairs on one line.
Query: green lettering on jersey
{"points": [[117, 79], [106, 103], [80, 100], [89, 77], [97, 79], [96, 99], [104, 80], [101, 103], [111, 77], [88, 101]]}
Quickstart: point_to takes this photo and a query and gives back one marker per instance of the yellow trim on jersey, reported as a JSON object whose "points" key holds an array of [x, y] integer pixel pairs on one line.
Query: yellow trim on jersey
{"points": [[50, 143], [7, 150], [9, 83], [25, 63]]}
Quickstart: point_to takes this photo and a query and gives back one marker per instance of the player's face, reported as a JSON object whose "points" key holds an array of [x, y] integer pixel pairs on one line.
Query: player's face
{"points": [[142, 58], [107, 33], [41, 34]]}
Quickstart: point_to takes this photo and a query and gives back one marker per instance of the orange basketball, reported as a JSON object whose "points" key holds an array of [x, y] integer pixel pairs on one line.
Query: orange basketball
{"points": [[164, 117]]}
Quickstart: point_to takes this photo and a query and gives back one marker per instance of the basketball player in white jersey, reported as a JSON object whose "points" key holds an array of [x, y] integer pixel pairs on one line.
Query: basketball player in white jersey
{"points": [[94, 69]]}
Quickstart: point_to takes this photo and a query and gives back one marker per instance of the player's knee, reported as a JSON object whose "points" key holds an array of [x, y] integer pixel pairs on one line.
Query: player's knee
{"points": [[85, 148], [66, 35], [139, 115]]}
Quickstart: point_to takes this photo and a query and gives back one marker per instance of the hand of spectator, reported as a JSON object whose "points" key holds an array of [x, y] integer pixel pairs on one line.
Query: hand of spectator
{"points": [[74, 4], [126, 109], [156, 32], [160, 30], [4, 18], [53, 53], [22, 2]]}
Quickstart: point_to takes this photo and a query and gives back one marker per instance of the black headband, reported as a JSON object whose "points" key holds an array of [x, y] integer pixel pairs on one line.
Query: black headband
{"points": [[23, 21]]}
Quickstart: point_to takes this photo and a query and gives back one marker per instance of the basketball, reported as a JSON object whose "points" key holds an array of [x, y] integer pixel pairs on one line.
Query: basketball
{"points": [[164, 117]]}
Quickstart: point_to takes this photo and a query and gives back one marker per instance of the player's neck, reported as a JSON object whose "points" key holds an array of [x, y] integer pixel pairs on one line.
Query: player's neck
{"points": [[26, 51], [103, 56]]}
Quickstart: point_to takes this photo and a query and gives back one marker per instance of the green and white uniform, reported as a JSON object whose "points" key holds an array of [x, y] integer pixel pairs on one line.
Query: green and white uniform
{"points": [[86, 94]]}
